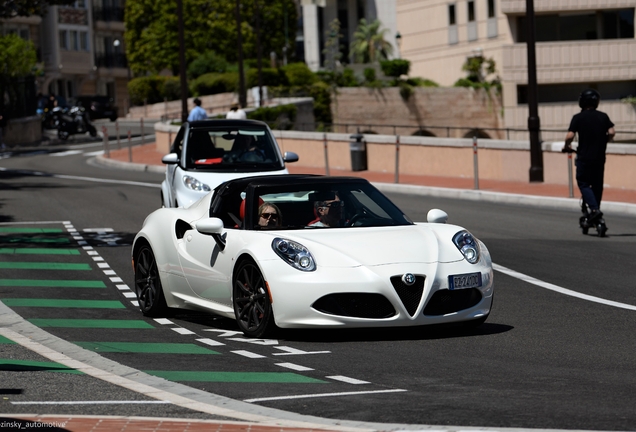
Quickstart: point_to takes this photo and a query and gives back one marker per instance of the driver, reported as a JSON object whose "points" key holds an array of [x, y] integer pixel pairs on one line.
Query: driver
{"points": [[329, 212], [247, 149]]}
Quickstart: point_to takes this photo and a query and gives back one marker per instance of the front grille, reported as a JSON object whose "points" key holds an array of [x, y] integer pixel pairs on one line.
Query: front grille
{"points": [[446, 301], [357, 305], [410, 295]]}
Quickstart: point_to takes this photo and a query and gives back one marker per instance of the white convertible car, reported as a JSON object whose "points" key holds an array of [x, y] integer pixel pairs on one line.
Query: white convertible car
{"points": [[301, 251]]}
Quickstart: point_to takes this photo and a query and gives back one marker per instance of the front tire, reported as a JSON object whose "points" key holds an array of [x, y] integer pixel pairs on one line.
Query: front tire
{"points": [[148, 283], [250, 297]]}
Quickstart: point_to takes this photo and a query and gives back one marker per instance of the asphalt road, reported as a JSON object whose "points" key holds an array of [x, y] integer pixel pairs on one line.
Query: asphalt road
{"points": [[546, 358]]}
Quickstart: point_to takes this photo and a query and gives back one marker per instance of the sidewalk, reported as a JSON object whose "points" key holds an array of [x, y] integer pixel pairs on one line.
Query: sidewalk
{"points": [[148, 155]]}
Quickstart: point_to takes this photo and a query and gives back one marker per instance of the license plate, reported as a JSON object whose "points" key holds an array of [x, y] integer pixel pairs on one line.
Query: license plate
{"points": [[468, 280]]}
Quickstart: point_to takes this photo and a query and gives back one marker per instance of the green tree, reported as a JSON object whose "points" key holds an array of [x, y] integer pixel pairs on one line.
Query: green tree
{"points": [[14, 8], [152, 42], [17, 57], [482, 73], [332, 46], [369, 43]]}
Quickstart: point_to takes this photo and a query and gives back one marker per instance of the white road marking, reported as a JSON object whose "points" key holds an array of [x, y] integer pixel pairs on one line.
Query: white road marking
{"points": [[182, 330], [88, 402], [210, 342], [318, 395], [98, 230], [294, 366], [89, 179], [294, 351], [256, 341], [163, 321], [66, 153], [559, 289], [347, 379], [248, 354], [130, 294]]}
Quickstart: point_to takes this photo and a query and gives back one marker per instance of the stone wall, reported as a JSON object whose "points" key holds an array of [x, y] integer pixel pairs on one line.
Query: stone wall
{"points": [[23, 131], [442, 112]]}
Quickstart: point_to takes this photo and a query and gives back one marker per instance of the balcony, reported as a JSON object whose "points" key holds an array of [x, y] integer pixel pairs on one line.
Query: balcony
{"points": [[578, 61], [111, 60], [517, 7]]}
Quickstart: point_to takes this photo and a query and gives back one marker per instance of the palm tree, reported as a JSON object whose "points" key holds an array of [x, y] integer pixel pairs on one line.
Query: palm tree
{"points": [[369, 44]]}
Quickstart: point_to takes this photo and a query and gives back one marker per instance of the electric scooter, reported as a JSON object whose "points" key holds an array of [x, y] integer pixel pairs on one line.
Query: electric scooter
{"points": [[586, 221]]}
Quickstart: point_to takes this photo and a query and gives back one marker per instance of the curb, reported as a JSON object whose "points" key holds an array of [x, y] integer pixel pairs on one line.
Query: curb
{"points": [[609, 207]]}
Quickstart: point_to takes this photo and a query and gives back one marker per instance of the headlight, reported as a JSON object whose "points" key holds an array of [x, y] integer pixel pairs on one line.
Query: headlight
{"points": [[195, 184], [467, 245], [294, 254]]}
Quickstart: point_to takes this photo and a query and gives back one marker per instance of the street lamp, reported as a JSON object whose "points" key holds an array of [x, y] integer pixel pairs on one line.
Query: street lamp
{"points": [[398, 41], [534, 123]]}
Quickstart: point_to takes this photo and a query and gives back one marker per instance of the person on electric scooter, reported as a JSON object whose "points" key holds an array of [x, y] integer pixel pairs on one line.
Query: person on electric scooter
{"points": [[595, 130]]}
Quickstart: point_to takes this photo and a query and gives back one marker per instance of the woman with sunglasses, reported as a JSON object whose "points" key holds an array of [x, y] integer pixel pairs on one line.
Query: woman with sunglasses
{"points": [[269, 215]]}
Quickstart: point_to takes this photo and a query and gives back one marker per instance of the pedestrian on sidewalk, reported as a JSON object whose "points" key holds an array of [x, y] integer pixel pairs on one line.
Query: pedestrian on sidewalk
{"points": [[595, 130], [197, 113], [236, 113]]}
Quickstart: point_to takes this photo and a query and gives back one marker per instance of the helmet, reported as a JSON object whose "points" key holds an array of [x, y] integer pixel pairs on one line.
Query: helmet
{"points": [[589, 99]]}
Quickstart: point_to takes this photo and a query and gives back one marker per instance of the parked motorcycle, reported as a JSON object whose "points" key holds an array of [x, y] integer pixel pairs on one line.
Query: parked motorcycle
{"points": [[76, 121], [51, 118]]}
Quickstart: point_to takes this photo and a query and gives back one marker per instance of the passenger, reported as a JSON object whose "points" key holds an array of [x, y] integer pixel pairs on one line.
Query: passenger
{"points": [[329, 212], [269, 215]]}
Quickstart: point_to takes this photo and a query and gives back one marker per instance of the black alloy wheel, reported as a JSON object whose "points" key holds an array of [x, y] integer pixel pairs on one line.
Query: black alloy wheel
{"points": [[252, 307], [148, 284]]}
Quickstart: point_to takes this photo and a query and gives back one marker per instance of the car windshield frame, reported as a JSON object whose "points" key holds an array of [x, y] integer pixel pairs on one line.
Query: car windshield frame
{"points": [[240, 147], [297, 205]]}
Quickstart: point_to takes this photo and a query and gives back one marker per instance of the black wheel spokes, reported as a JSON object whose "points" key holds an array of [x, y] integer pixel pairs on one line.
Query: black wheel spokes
{"points": [[146, 280], [251, 304]]}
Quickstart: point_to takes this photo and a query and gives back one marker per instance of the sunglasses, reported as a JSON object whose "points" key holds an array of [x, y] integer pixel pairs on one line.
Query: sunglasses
{"points": [[269, 215], [335, 204]]}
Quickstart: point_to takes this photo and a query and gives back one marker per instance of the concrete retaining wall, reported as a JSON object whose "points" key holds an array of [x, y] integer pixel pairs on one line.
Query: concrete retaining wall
{"points": [[448, 157]]}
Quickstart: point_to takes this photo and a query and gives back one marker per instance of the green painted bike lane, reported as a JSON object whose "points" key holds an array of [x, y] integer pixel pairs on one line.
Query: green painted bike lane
{"points": [[33, 254]]}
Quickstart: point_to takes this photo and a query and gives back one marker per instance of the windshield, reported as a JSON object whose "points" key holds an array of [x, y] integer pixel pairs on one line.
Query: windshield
{"points": [[324, 206], [244, 148]]}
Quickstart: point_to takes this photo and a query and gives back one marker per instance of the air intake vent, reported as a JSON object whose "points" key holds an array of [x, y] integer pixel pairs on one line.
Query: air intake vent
{"points": [[411, 295], [357, 305], [445, 301]]}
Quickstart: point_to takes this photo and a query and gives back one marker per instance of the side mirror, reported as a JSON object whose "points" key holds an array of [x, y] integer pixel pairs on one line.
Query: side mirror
{"points": [[214, 228], [171, 158], [437, 216], [290, 157]]}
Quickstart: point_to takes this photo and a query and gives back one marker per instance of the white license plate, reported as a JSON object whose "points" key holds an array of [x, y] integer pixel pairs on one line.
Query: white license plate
{"points": [[468, 280]]}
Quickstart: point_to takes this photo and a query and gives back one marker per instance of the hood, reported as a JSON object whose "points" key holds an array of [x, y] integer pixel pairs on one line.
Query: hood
{"points": [[347, 247]]}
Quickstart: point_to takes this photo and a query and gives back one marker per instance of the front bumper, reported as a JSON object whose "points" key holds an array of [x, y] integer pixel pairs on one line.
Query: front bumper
{"points": [[367, 297]]}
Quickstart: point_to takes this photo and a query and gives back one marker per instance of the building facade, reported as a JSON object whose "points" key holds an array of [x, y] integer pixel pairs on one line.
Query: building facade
{"points": [[80, 49], [579, 44]]}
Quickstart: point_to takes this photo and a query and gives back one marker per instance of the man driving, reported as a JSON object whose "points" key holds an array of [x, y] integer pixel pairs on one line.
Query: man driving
{"points": [[328, 208]]}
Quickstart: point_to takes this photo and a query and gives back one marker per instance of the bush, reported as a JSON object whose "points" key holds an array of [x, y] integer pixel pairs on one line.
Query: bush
{"points": [[213, 83], [299, 74], [208, 62], [147, 89], [171, 88], [320, 91], [280, 117], [271, 77], [347, 78], [395, 68], [421, 82], [369, 74]]}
